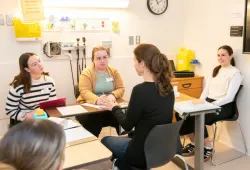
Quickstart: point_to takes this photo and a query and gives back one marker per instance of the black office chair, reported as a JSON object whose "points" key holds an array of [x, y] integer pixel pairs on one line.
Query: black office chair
{"points": [[234, 118], [165, 148], [76, 91]]}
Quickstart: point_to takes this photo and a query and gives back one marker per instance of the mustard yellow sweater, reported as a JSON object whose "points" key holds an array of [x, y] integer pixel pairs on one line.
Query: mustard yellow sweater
{"points": [[87, 83]]}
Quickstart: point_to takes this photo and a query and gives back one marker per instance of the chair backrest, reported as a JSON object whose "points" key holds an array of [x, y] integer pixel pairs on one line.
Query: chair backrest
{"points": [[76, 91], [161, 144], [236, 95], [236, 112]]}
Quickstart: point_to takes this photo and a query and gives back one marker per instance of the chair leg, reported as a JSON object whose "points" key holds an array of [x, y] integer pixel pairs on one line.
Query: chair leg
{"points": [[244, 154], [184, 141], [113, 165], [215, 126]]}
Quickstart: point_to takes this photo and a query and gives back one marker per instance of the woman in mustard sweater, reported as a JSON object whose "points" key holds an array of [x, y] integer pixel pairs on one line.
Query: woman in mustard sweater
{"points": [[96, 83]]}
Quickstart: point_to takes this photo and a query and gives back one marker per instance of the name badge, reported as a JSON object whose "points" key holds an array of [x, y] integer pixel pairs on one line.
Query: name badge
{"points": [[45, 90], [109, 79]]}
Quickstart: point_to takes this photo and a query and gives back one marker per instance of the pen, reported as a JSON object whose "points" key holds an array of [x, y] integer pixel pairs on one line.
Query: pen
{"points": [[71, 127]]}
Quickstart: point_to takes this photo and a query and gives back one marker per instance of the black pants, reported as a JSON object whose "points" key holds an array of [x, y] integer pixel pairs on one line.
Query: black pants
{"points": [[96, 121], [188, 126], [14, 122]]}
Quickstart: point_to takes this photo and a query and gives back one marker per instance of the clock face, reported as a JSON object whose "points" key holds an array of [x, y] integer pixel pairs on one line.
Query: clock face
{"points": [[157, 7]]}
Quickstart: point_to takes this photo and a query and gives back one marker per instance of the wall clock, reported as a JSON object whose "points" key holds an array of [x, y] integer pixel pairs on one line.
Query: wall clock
{"points": [[157, 7]]}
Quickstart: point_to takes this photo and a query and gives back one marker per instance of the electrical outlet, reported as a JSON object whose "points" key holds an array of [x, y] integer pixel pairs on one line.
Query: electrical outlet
{"points": [[137, 39], [131, 40], [1, 19], [9, 21]]}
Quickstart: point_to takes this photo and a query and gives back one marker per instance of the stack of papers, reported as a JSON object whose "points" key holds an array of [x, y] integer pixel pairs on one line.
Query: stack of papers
{"points": [[71, 110], [189, 107]]}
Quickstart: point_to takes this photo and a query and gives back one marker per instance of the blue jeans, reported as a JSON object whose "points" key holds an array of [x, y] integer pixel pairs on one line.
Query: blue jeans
{"points": [[117, 145]]}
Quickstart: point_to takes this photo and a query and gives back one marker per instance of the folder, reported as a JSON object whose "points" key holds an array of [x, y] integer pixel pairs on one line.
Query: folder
{"points": [[53, 103]]}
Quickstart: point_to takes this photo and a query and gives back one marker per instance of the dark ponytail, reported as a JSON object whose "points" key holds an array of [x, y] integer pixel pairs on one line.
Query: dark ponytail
{"points": [[158, 65], [232, 62]]}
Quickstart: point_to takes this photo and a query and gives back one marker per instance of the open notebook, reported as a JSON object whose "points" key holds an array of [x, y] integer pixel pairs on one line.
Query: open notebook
{"points": [[75, 134], [186, 107]]}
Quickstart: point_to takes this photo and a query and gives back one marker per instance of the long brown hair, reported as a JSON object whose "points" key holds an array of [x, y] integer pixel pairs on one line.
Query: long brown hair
{"points": [[4, 166], [24, 78], [158, 65], [99, 48], [33, 145], [232, 62]]}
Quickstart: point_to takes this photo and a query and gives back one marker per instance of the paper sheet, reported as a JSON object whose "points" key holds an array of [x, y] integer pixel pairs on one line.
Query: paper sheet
{"points": [[77, 133], [71, 110], [123, 105], [93, 105], [32, 10], [66, 123]]}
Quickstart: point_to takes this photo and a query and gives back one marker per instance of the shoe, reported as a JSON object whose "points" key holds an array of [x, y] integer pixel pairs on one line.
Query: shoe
{"points": [[188, 150], [207, 154]]}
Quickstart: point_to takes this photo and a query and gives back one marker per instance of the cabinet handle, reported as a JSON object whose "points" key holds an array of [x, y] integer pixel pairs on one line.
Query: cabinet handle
{"points": [[187, 85]]}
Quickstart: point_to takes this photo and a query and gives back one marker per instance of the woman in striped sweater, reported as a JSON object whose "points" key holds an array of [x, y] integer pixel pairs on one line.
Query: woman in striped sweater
{"points": [[30, 87]]}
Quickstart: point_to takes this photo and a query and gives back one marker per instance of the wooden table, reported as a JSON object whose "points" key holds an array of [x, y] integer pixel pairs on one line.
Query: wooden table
{"points": [[53, 112], [85, 154]]}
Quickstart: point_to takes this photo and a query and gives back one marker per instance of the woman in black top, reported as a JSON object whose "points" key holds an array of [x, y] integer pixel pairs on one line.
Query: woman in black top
{"points": [[151, 104]]}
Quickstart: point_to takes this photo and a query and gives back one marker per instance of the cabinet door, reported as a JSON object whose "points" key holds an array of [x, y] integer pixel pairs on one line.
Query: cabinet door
{"points": [[192, 92]]}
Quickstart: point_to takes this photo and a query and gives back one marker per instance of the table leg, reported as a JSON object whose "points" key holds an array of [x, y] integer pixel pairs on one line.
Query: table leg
{"points": [[199, 142]]}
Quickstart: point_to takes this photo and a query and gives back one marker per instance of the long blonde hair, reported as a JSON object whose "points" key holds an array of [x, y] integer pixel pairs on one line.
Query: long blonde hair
{"points": [[33, 145]]}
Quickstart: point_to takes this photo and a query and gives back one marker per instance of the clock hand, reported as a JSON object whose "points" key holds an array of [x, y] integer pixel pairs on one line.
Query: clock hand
{"points": [[157, 2]]}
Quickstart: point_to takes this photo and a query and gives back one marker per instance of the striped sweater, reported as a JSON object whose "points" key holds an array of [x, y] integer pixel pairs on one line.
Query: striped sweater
{"points": [[19, 104]]}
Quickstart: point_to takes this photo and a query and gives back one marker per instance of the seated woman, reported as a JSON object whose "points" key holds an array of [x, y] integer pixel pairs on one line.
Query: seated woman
{"points": [[151, 104], [220, 90], [30, 87], [96, 83], [33, 145]]}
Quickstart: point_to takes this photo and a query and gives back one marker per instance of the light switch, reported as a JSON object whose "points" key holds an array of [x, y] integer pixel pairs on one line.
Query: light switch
{"points": [[131, 40], [9, 21], [138, 40], [1, 19]]}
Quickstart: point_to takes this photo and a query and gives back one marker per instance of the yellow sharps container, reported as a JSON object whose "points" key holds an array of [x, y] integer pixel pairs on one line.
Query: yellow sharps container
{"points": [[183, 59]]}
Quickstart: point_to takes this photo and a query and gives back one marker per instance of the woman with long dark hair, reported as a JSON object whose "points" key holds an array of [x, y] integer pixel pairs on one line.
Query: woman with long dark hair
{"points": [[220, 90], [30, 87], [151, 104]]}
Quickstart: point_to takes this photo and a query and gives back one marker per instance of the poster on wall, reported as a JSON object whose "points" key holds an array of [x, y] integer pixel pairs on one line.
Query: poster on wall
{"points": [[32, 10]]}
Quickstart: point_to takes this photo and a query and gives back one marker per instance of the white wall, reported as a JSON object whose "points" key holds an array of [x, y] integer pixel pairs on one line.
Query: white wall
{"points": [[207, 28], [166, 32]]}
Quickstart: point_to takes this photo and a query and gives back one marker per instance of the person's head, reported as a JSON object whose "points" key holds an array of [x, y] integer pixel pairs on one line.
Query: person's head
{"points": [[30, 66], [224, 57], [4, 166], [149, 59], [33, 145], [100, 57]]}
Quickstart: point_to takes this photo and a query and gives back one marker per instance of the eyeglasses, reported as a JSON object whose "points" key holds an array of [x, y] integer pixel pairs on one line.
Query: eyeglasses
{"points": [[104, 58]]}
